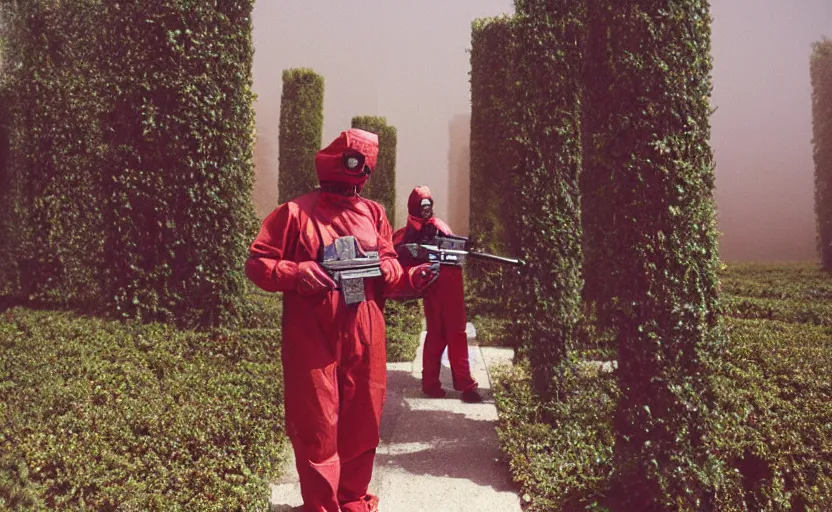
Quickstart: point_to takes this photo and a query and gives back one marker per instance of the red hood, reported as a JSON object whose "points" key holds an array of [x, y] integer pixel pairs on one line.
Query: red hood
{"points": [[413, 209], [328, 160], [413, 202]]}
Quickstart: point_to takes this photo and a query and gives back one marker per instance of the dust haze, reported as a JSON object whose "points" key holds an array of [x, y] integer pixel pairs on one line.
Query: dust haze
{"points": [[409, 61]]}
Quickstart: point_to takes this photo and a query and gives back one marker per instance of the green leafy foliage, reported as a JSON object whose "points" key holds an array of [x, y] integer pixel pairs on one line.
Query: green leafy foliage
{"points": [[793, 281], [131, 145], [494, 197], [793, 293], [57, 150], [548, 300], [493, 331], [768, 433], [301, 125], [103, 415], [775, 428], [560, 451], [598, 204], [9, 273], [650, 149], [381, 186], [404, 325], [821, 76]]}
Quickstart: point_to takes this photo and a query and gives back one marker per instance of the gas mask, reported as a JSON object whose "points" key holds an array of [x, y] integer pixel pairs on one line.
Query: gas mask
{"points": [[355, 164], [349, 159]]}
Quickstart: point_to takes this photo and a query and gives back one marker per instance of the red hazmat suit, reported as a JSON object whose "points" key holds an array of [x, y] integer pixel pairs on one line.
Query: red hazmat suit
{"points": [[444, 305], [333, 354]]}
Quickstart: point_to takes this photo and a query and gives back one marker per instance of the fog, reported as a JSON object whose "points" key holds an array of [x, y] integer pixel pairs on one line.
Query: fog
{"points": [[409, 63]]}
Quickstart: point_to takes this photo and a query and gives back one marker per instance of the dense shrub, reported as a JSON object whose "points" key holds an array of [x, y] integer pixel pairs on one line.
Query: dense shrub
{"points": [[802, 281], [549, 152], [560, 452], [381, 186], [598, 204], [54, 202], [771, 436], [101, 415], [404, 326], [493, 330], [784, 310], [301, 125], [266, 311], [653, 147], [775, 434], [794, 293], [494, 165], [132, 147], [821, 75], [9, 284]]}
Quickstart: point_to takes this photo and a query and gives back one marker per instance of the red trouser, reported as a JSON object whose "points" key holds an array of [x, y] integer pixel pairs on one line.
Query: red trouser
{"points": [[445, 316], [334, 394]]}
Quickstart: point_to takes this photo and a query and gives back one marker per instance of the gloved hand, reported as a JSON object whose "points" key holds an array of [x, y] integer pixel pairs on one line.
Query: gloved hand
{"points": [[312, 279], [422, 276], [391, 271]]}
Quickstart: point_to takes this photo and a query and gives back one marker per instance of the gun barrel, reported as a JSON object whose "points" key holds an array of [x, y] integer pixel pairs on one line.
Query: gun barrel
{"points": [[492, 257]]}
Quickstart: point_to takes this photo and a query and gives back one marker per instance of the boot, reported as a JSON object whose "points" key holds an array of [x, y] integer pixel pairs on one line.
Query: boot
{"points": [[435, 392], [372, 502], [472, 396]]}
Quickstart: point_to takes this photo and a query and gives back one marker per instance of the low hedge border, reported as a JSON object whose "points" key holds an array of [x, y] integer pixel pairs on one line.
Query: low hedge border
{"points": [[103, 415]]}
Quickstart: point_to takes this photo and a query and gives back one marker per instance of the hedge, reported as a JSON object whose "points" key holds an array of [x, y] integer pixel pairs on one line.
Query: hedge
{"points": [[792, 293], [132, 155], [802, 281], [655, 145], [105, 415], [559, 452], [9, 284], [493, 211], [404, 325], [598, 204], [771, 436], [381, 186], [775, 433], [301, 125], [54, 86], [549, 152], [821, 76]]}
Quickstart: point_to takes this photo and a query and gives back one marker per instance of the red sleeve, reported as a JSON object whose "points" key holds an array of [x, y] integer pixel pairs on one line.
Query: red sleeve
{"points": [[397, 283], [441, 226], [386, 251], [398, 236], [270, 263]]}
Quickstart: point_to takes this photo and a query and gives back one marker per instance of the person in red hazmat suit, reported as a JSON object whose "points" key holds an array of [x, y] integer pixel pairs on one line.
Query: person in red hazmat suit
{"points": [[444, 305], [333, 353]]}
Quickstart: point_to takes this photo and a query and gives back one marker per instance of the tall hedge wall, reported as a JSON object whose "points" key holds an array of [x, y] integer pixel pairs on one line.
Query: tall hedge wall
{"points": [[654, 146], [598, 207], [132, 149], [57, 150], [381, 186], [301, 125], [549, 228], [493, 156], [821, 75], [8, 265]]}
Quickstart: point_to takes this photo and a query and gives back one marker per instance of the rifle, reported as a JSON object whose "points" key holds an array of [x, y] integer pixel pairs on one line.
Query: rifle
{"points": [[348, 266], [448, 250]]}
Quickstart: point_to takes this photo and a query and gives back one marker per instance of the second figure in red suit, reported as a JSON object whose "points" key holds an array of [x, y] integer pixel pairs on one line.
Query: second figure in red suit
{"points": [[444, 305]]}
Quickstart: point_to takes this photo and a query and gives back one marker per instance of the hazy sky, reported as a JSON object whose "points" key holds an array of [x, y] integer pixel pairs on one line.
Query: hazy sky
{"points": [[411, 65]]}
